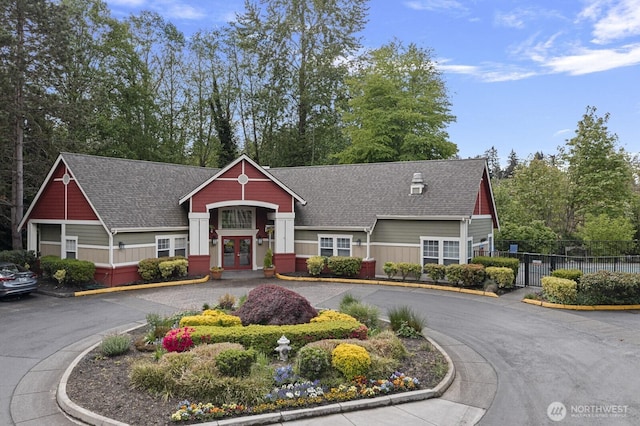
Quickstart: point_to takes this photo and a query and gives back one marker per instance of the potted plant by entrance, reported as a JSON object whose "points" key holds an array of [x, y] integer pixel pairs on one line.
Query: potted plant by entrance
{"points": [[267, 266], [216, 272]]}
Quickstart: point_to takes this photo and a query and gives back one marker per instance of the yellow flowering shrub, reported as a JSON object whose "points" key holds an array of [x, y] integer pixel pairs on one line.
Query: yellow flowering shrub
{"points": [[331, 315], [211, 317], [351, 360]]}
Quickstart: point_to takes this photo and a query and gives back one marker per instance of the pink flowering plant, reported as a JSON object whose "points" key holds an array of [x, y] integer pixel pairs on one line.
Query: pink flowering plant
{"points": [[178, 339]]}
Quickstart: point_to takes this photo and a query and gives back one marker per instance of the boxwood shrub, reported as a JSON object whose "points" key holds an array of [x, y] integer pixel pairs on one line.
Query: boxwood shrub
{"points": [[435, 271], [609, 288], [149, 269], [559, 290], [473, 274], [502, 276], [76, 271], [569, 274], [504, 262], [344, 266], [315, 265], [407, 269]]}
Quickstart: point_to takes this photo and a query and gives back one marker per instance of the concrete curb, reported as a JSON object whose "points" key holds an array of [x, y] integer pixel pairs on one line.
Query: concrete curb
{"points": [[390, 284], [77, 412], [140, 287], [581, 307], [74, 410]]}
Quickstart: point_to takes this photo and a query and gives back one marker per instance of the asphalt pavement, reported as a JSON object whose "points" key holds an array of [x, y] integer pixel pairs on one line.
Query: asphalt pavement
{"points": [[515, 364]]}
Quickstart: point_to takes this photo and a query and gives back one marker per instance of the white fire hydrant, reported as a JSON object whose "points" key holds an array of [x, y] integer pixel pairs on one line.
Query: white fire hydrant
{"points": [[283, 348]]}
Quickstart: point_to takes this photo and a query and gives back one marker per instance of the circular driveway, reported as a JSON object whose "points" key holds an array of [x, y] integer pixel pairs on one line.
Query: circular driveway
{"points": [[587, 361]]}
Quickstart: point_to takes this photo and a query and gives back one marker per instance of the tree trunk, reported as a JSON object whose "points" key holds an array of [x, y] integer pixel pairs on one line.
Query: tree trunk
{"points": [[17, 172]]}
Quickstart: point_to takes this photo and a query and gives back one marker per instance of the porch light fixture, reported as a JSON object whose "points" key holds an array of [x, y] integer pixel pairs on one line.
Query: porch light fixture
{"points": [[359, 241], [120, 245], [259, 240], [214, 241]]}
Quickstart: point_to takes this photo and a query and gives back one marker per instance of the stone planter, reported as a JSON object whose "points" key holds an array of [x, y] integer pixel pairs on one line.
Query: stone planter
{"points": [[216, 273]]}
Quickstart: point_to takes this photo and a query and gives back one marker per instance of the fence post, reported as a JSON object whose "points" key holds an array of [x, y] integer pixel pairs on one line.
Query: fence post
{"points": [[526, 269]]}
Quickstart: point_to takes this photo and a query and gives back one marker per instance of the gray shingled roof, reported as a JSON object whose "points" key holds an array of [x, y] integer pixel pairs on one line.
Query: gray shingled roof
{"points": [[141, 194], [136, 194], [354, 195]]}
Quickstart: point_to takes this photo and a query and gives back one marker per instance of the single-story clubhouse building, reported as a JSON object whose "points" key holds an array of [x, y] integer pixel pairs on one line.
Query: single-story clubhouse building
{"points": [[116, 212]]}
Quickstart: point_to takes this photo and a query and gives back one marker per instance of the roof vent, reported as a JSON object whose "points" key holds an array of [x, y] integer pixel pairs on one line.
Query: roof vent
{"points": [[417, 184]]}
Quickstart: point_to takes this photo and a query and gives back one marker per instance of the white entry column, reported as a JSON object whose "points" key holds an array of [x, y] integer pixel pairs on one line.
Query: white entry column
{"points": [[199, 233], [284, 233]]}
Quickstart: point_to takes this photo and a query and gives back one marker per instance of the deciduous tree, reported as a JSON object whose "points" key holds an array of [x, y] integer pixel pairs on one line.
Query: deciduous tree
{"points": [[398, 108]]}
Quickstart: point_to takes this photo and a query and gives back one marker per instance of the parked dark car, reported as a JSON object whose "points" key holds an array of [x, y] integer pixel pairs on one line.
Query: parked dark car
{"points": [[15, 280]]}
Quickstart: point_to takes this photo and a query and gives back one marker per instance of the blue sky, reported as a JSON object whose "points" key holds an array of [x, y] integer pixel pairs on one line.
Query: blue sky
{"points": [[520, 73]]}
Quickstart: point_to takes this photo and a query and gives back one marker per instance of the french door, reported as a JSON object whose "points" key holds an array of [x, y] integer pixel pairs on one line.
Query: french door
{"points": [[236, 252]]}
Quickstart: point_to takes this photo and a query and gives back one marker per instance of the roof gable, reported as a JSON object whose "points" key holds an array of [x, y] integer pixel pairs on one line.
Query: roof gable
{"points": [[250, 170], [133, 194], [356, 195]]}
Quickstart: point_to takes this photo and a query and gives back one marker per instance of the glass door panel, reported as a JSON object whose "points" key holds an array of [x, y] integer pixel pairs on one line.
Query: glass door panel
{"points": [[236, 253]]}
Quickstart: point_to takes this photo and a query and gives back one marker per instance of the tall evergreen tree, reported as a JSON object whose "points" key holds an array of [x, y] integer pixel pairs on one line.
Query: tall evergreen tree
{"points": [[32, 56]]}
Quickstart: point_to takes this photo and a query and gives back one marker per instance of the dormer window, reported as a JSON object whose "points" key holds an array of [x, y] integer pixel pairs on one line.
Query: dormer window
{"points": [[417, 184]]}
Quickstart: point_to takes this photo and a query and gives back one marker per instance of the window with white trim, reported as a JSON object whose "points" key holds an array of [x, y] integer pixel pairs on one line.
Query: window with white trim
{"points": [[236, 219], [71, 248], [170, 245], [430, 251], [334, 245], [439, 250]]}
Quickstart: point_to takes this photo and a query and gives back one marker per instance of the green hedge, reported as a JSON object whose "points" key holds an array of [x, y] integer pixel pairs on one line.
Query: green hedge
{"points": [[149, 269], [315, 265], [473, 274], [609, 288], [24, 258], [263, 338], [501, 262], [407, 269], [77, 271], [344, 266], [569, 274], [559, 290], [502, 276], [435, 271]]}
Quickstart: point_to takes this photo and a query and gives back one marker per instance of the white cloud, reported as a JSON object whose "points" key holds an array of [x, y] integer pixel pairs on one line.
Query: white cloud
{"points": [[561, 132], [519, 17], [487, 72], [435, 5], [183, 11], [620, 22], [127, 3], [586, 61]]}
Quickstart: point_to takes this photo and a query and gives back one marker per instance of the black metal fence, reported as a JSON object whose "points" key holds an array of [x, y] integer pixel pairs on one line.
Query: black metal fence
{"points": [[534, 266], [570, 247]]}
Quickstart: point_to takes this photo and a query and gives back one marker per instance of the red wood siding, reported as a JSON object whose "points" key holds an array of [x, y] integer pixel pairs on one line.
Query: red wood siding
{"points": [[78, 208], [216, 191], [269, 192], [226, 187], [484, 203], [50, 205], [233, 172], [52, 201]]}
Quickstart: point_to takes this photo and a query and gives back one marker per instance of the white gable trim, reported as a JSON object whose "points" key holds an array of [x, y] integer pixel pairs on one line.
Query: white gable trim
{"points": [[243, 157], [59, 160]]}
